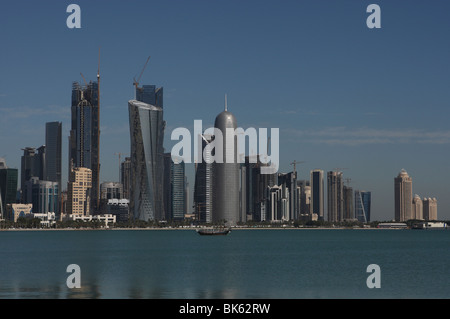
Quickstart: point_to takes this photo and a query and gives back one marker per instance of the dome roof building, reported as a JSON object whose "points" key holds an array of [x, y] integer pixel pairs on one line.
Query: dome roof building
{"points": [[226, 174]]}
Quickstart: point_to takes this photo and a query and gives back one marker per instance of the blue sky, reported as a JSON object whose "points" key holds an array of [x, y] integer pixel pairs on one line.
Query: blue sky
{"points": [[343, 95]]}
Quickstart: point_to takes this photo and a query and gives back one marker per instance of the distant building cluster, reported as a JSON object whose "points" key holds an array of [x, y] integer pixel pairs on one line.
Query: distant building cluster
{"points": [[408, 207], [243, 193]]}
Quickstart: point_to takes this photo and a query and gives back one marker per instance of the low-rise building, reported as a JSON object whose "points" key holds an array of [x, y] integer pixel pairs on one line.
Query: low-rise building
{"points": [[106, 218], [47, 219], [15, 211]]}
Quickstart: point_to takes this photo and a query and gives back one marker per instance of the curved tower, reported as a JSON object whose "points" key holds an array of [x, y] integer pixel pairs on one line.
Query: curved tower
{"points": [[226, 175], [146, 139]]}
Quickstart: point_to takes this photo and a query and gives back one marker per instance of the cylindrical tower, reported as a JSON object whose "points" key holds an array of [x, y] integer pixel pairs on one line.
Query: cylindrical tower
{"points": [[226, 175]]}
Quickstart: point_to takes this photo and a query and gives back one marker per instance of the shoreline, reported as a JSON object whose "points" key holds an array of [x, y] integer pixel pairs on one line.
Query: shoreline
{"points": [[196, 228]]}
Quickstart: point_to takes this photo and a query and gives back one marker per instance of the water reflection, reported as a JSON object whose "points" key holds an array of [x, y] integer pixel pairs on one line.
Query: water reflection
{"points": [[244, 264]]}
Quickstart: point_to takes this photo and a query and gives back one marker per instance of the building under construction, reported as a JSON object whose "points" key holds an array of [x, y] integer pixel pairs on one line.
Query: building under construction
{"points": [[84, 139]]}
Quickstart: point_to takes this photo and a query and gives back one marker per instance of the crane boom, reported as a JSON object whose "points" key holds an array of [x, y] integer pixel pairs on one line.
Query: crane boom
{"points": [[136, 82], [85, 82], [295, 162]]}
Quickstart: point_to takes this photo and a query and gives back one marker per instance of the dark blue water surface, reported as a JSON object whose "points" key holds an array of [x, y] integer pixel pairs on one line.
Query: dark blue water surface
{"points": [[248, 264]]}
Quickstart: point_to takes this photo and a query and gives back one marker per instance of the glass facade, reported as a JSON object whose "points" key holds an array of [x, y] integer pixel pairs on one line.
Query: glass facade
{"points": [[177, 190], [335, 193], [44, 196], [150, 94], [348, 203], [32, 165], [8, 186], [85, 133], [256, 188], [147, 160], [317, 193], [203, 188], [362, 206], [53, 151]]}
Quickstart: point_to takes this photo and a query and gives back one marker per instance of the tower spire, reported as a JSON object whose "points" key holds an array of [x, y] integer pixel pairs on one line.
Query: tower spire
{"points": [[226, 102]]}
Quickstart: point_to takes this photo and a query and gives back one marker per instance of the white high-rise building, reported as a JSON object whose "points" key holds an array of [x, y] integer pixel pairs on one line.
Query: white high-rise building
{"points": [[430, 208], [417, 207], [403, 197]]}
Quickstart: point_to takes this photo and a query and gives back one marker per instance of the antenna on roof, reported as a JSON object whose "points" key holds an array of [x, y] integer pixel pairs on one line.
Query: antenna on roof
{"points": [[226, 107]]}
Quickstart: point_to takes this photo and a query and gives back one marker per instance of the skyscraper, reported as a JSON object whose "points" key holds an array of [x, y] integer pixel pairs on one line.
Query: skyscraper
{"points": [[335, 193], [147, 161], [125, 177], [348, 203], [53, 152], [32, 165], [256, 187], [429, 208], [417, 207], [167, 187], [317, 193], [174, 188], [203, 188], [305, 199], [243, 193], [187, 197], [278, 203], [362, 206], [8, 186], [84, 139], [289, 180], [226, 174], [403, 196], [177, 182]]}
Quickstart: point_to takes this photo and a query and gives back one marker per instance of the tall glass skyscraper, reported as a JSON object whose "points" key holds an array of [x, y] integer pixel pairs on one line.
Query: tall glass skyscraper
{"points": [[53, 152], [203, 188], [125, 173], [147, 160], [32, 165], [177, 182], [84, 140], [335, 193], [317, 193], [348, 213], [174, 188], [8, 186], [289, 180], [256, 188], [362, 206]]}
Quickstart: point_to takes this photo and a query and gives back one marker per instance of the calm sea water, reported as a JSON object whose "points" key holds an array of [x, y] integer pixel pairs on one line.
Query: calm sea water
{"points": [[248, 264]]}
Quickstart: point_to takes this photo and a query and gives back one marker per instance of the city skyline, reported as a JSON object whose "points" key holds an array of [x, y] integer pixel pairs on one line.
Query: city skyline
{"points": [[348, 96]]}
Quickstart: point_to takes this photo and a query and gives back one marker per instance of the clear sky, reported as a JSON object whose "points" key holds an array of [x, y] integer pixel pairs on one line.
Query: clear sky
{"points": [[372, 101]]}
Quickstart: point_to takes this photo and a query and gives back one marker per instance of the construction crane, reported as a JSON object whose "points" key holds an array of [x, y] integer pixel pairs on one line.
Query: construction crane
{"points": [[295, 165], [120, 155], [348, 180], [339, 169], [136, 82], [85, 82]]}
